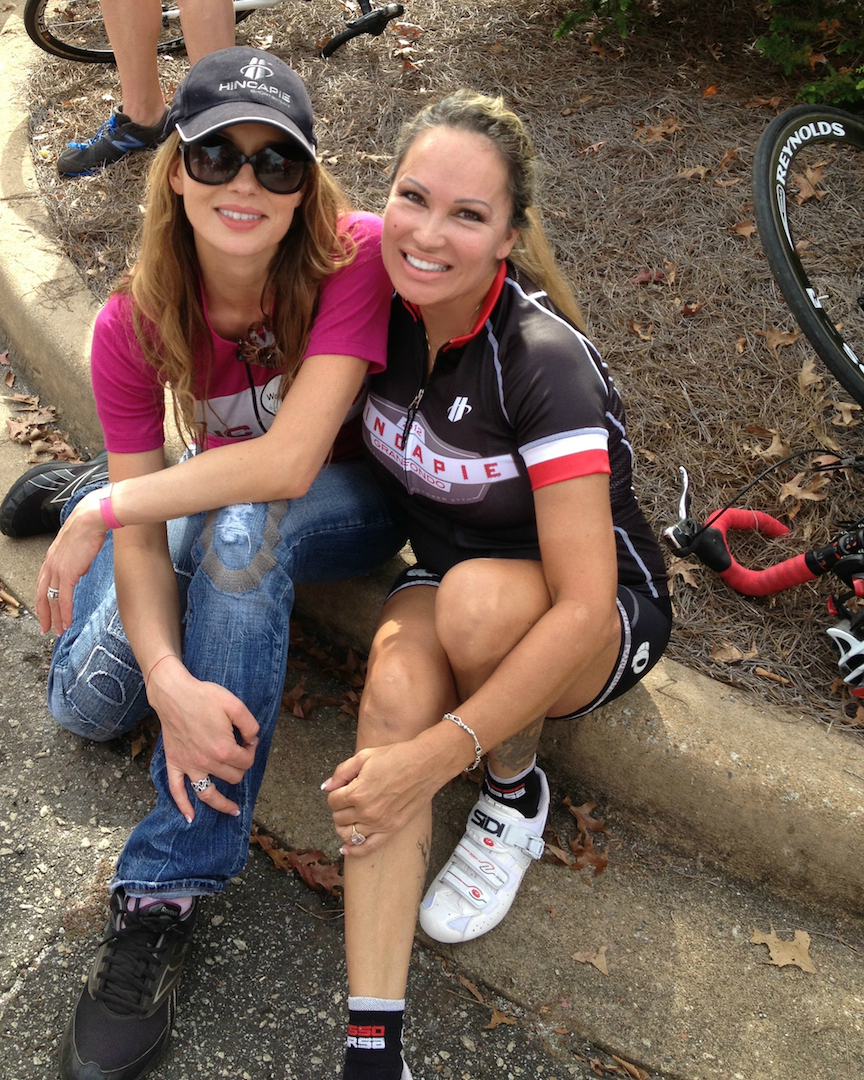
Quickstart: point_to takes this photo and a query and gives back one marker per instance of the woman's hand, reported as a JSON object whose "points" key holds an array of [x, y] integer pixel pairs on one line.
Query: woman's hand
{"points": [[200, 724], [379, 790], [68, 559]]}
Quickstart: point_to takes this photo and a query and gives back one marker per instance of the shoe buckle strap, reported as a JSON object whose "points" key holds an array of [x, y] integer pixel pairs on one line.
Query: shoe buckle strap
{"points": [[481, 862], [466, 887], [519, 837]]}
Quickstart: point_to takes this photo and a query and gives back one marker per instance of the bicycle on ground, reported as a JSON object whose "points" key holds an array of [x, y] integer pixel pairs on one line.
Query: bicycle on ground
{"points": [[74, 30], [808, 195]]}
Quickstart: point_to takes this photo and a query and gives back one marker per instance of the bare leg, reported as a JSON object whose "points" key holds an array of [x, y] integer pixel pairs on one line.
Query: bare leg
{"points": [[409, 687], [133, 30], [207, 25], [485, 607]]}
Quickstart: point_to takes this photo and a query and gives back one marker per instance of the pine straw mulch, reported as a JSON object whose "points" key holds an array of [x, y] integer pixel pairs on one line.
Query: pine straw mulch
{"points": [[615, 129]]}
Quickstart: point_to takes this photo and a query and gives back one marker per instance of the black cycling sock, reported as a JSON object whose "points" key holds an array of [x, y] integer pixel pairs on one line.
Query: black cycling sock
{"points": [[373, 1048], [522, 792]]}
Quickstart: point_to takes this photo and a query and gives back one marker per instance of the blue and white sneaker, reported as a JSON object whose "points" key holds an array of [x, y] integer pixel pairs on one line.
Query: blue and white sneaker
{"points": [[477, 886], [117, 137]]}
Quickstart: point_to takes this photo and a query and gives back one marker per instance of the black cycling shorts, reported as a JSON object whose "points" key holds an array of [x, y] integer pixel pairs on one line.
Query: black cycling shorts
{"points": [[646, 623]]}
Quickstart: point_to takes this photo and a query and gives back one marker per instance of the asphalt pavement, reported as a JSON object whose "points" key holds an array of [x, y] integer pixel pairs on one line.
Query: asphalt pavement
{"points": [[723, 816]]}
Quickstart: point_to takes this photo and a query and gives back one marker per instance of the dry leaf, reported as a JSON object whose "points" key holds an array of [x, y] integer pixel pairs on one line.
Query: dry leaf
{"points": [[743, 228], [593, 148], [631, 1070], [726, 653], [471, 988], [583, 817], [597, 959], [691, 308], [697, 172], [4, 357], [709, 91], [497, 1018], [740, 345], [804, 486], [807, 185], [756, 103], [795, 952], [727, 183], [316, 873], [671, 269], [775, 337], [587, 855], [10, 379], [808, 376], [643, 330], [656, 134], [679, 567], [727, 160], [772, 676], [649, 277], [845, 409]]}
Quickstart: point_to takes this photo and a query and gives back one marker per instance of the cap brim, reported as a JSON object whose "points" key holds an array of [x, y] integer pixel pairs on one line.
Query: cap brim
{"points": [[240, 112]]}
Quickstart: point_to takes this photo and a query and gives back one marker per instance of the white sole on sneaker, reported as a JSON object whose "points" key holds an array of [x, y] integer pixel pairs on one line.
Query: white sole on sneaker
{"points": [[406, 1072], [476, 887]]}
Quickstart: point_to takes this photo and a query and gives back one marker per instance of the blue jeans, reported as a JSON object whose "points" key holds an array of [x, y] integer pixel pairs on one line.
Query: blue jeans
{"points": [[236, 569]]}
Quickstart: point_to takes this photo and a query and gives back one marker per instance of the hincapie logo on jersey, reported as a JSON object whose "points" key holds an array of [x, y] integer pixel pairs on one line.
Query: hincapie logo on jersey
{"points": [[458, 409], [430, 466], [256, 69]]}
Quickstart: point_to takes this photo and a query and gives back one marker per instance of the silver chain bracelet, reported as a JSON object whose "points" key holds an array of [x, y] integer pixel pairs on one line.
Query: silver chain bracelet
{"points": [[478, 749]]}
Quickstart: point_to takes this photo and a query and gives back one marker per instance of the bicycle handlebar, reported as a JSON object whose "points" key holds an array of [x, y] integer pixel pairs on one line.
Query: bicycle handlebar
{"points": [[710, 544]]}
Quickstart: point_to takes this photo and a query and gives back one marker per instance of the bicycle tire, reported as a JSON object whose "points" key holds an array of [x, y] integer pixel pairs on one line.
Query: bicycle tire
{"points": [[73, 30], [814, 243]]}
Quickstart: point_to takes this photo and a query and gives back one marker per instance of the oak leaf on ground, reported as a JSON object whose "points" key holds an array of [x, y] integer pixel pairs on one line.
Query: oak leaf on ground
{"points": [[775, 338], [583, 817], [595, 957], [808, 375], [631, 1070], [309, 865], [497, 1018], [783, 953]]}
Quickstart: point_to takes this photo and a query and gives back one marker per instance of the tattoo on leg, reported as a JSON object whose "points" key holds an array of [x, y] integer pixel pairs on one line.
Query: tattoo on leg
{"points": [[515, 753], [423, 848]]}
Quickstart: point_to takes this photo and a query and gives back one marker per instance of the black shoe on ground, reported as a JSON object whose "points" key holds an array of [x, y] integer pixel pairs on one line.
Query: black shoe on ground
{"points": [[33, 503], [116, 138], [125, 1013]]}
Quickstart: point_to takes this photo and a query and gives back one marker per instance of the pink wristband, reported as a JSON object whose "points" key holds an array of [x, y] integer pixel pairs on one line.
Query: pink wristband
{"points": [[106, 511]]}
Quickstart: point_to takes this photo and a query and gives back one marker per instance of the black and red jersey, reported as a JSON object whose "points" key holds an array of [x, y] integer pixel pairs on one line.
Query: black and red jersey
{"points": [[522, 401]]}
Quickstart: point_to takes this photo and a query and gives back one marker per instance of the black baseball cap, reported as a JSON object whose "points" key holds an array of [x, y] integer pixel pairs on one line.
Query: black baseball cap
{"points": [[241, 85]]}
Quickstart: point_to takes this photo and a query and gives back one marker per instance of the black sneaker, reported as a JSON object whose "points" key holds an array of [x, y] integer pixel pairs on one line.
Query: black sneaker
{"points": [[117, 137], [33, 503], [124, 1015]]}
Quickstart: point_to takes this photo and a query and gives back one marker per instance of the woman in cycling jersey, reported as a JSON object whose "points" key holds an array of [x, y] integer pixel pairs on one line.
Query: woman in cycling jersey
{"points": [[263, 303], [539, 589]]}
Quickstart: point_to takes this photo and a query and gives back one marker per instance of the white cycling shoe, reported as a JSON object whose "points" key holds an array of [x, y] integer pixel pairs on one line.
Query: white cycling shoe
{"points": [[474, 890]]}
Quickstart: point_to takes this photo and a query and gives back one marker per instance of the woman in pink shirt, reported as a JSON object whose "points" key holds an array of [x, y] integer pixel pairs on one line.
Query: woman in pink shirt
{"points": [[262, 303]]}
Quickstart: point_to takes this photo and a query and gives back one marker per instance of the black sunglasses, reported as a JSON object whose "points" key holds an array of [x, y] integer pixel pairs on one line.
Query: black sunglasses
{"points": [[280, 168]]}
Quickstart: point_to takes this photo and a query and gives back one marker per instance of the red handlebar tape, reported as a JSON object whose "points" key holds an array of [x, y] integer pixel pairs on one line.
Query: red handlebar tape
{"points": [[774, 579]]}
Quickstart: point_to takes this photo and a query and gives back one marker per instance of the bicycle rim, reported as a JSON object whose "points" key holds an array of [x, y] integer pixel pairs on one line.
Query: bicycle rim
{"points": [[808, 195], [73, 30]]}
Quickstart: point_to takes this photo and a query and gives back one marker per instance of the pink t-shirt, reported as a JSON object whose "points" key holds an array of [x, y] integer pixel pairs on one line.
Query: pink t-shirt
{"points": [[353, 312]]}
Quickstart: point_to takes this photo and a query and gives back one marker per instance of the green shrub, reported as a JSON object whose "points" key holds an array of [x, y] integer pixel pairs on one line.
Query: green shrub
{"points": [[824, 36]]}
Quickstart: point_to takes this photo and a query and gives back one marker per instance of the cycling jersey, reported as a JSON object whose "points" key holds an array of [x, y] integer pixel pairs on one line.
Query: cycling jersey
{"points": [[521, 402]]}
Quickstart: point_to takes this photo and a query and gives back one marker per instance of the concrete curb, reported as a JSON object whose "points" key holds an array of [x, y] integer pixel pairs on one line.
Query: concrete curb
{"points": [[769, 796], [44, 309]]}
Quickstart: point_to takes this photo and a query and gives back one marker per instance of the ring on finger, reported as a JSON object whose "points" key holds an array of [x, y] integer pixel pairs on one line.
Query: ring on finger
{"points": [[357, 838], [53, 594], [200, 786]]}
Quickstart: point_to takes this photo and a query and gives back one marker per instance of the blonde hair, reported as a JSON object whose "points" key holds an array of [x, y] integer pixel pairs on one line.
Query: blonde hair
{"points": [[468, 110], [164, 284]]}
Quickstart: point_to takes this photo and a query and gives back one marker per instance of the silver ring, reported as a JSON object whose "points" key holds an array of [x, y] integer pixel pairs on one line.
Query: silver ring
{"points": [[357, 838], [200, 786], [53, 594]]}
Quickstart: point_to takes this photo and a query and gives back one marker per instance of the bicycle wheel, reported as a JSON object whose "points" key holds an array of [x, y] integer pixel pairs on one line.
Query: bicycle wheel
{"points": [[73, 29], [808, 196]]}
